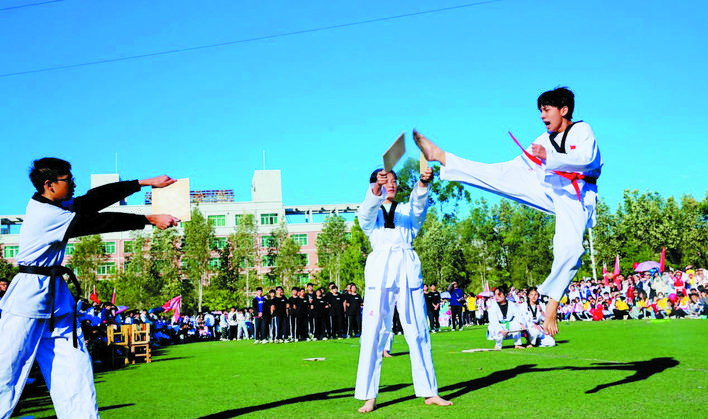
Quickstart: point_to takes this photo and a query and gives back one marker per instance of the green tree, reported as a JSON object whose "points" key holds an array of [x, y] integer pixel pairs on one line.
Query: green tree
{"points": [[330, 247], [89, 253], [445, 196], [198, 236], [440, 252], [134, 279], [7, 269], [353, 260], [165, 270]]}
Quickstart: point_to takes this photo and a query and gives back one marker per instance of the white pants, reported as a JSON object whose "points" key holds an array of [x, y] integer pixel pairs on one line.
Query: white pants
{"points": [[518, 181], [376, 329], [537, 333], [499, 338], [66, 370]]}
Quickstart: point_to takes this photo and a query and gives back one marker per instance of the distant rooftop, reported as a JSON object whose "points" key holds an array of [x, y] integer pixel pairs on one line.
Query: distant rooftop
{"points": [[208, 196]]}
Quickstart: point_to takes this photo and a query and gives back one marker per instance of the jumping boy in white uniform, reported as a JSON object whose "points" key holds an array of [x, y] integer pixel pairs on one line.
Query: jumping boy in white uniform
{"points": [[557, 175], [393, 278], [38, 317]]}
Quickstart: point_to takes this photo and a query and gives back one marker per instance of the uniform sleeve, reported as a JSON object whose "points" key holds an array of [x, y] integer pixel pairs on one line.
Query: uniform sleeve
{"points": [[418, 207], [494, 325], [581, 152], [369, 209], [104, 222], [101, 197]]}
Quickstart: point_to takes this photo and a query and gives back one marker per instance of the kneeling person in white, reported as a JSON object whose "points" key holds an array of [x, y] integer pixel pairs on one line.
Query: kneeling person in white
{"points": [[505, 319]]}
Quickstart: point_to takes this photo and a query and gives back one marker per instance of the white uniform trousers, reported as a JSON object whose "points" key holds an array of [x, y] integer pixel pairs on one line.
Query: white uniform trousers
{"points": [[66, 370], [536, 334], [377, 321], [517, 180]]}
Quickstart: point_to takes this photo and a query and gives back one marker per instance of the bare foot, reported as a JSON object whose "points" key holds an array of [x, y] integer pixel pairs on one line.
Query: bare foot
{"points": [[530, 345], [550, 323], [497, 347], [438, 401], [519, 347], [429, 149], [386, 354], [368, 406]]}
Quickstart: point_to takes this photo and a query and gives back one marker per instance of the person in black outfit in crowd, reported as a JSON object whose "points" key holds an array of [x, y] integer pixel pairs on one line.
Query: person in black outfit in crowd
{"points": [[336, 311], [353, 306]]}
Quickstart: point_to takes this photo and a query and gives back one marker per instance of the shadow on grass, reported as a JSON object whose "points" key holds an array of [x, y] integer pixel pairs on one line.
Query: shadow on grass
{"points": [[642, 370], [325, 395]]}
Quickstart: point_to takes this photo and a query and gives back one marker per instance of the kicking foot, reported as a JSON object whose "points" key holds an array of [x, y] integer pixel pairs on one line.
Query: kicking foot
{"points": [[386, 354], [437, 400], [550, 323], [429, 149], [368, 406]]}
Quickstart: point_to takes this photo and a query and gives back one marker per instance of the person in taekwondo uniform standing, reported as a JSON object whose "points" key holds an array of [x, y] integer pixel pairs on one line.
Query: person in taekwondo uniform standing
{"points": [[38, 312], [393, 278], [557, 175]]}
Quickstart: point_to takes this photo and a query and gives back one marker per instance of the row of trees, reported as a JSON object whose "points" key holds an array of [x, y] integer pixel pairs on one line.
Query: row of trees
{"points": [[503, 242]]}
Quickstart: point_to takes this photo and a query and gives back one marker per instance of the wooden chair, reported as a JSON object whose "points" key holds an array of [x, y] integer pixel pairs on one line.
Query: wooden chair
{"points": [[140, 342], [118, 343]]}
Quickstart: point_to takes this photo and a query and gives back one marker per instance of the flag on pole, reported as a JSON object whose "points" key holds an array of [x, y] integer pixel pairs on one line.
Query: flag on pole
{"points": [[604, 274], [113, 298], [173, 304], [617, 265], [662, 260], [94, 296]]}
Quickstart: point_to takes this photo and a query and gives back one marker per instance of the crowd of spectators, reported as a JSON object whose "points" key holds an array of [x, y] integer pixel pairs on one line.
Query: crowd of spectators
{"points": [[310, 314]]}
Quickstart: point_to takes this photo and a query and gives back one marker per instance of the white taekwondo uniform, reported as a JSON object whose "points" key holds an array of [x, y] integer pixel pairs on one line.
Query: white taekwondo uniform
{"points": [[393, 278], [543, 188]]}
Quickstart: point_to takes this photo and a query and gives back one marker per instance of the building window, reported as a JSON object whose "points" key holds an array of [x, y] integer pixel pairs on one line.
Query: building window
{"points": [[237, 219], [217, 220], [300, 239], [268, 241], [11, 251], [268, 261], [128, 246], [218, 243], [109, 247], [69, 249], [271, 218], [215, 263], [304, 258], [106, 268]]}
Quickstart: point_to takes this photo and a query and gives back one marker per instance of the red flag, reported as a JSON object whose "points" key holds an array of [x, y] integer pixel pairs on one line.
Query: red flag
{"points": [[617, 265], [113, 298], [173, 304], [662, 260], [94, 296], [604, 274]]}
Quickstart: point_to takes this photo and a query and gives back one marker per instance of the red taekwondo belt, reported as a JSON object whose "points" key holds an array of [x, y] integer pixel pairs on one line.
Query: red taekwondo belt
{"points": [[573, 177], [54, 272]]}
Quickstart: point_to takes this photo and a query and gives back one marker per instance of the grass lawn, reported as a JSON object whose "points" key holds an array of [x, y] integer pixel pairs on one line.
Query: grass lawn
{"points": [[614, 369]]}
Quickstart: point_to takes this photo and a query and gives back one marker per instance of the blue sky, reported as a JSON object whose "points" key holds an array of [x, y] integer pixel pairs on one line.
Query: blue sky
{"points": [[324, 105]]}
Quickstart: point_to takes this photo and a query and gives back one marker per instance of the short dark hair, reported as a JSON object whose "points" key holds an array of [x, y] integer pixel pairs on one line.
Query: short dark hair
{"points": [[279, 288], [372, 178], [558, 98], [259, 288], [48, 168], [504, 289]]}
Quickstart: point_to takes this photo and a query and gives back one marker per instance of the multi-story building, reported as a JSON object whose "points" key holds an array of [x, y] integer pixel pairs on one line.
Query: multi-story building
{"points": [[304, 223]]}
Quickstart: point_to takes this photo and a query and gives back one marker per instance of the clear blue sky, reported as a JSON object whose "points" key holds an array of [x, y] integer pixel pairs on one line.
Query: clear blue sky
{"points": [[324, 105]]}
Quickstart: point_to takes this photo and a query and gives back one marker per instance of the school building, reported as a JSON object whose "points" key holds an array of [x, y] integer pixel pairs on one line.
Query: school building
{"points": [[304, 223]]}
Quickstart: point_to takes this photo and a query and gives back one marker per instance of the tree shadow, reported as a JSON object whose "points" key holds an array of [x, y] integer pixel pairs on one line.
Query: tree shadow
{"points": [[325, 395]]}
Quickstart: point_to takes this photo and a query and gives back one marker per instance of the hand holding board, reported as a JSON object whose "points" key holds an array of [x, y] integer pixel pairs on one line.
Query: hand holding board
{"points": [[394, 153]]}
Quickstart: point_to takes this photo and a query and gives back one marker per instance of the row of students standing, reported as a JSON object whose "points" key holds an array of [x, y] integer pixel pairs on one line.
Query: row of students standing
{"points": [[307, 314]]}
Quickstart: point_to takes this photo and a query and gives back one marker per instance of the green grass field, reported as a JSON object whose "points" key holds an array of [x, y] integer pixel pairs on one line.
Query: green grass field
{"points": [[612, 369]]}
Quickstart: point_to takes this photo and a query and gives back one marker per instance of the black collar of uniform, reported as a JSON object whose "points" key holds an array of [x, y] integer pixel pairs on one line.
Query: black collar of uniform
{"points": [[39, 198], [552, 136], [388, 215]]}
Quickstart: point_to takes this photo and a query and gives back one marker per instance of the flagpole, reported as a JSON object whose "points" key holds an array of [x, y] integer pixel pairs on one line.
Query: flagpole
{"points": [[592, 255]]}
